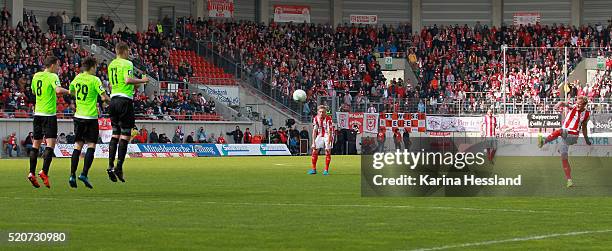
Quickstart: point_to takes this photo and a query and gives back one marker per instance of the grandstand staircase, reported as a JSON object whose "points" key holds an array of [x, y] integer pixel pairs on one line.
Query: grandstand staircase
{"points": [[251, 99], [267, 107]]}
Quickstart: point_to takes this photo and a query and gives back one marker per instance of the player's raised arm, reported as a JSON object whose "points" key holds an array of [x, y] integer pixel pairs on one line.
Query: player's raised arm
{"points": [[58, 88], [137, 81], [61, 90], [105, 98], [561, 104]]}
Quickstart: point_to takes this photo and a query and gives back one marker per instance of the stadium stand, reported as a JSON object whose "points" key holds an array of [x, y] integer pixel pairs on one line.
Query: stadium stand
{"points": [[452, 62]]}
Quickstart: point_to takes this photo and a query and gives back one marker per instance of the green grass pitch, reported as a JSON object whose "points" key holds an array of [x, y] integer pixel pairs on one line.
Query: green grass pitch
{"points": [[269, 203]]}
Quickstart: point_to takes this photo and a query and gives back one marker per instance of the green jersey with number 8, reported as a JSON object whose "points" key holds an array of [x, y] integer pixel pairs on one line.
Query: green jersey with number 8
{"points": [[118, 72], [86, 88], [43, 87]]}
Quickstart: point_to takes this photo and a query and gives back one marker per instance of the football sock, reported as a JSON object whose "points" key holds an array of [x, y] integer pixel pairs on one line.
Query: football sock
{"points": [[74, 162], [123, 144], [554, 135], [33, 160], [315, 157], [566, 168], [327, 161], [112, 152], [89, 157], [47, 158]]}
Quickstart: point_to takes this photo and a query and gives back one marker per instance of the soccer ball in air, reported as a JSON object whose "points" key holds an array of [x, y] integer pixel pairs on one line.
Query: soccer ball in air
{"points": [[299, 95]]}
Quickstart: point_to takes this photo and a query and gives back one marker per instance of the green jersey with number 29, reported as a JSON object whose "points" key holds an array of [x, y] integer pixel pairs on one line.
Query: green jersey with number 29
{"points": [[86, 88]]}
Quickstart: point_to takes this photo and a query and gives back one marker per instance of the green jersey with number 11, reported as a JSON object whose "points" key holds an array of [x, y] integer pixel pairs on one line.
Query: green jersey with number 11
{"points": [[118, 72]]}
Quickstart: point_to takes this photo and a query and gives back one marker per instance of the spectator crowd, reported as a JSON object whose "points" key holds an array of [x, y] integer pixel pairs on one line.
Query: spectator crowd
{"points": [[452, 63], [26, 45]]}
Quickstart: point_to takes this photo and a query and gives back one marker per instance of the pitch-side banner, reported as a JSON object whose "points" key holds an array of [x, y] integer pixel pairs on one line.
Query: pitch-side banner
{"points": [[370, 122], [177, 150], [342, 119], [453, 124], [526, 18], [253, 149], [65, 150], [600, 123], [364, 19], [357, 121], [291, 13], [230, 95], [544, 120], [412, 122], [105, 129], [221, 8]]}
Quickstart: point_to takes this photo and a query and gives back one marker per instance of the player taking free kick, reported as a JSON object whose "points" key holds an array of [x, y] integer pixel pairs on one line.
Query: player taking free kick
{"points": [[86, 88], [45, 86], [121, 108], [322, 132], [575, 120]]}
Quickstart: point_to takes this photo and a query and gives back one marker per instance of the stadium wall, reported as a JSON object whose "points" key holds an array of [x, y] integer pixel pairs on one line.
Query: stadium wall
{"points": [[551, 11], [451, 12], [23, 126], [42, 9], [122, 12], [418, 12], [244, 10], [597, 11], [319, 9], [388, 11], [181, 8]]}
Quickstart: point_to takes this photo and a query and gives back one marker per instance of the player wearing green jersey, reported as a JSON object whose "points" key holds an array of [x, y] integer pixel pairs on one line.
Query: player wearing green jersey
{"points": [[86, 88], [45, 86], [121, 108]]}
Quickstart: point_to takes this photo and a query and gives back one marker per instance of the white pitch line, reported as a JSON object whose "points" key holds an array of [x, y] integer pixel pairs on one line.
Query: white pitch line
{"points": [[297, 204], [519, 239]]}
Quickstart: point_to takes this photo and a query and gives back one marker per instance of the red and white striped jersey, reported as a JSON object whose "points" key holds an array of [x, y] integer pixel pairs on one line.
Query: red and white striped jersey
{"points": [[489, 126], [323, 126], [574, 118]]}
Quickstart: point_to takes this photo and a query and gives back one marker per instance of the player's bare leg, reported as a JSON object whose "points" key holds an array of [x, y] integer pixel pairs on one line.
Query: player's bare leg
{"points": [[314, 158]]}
